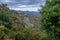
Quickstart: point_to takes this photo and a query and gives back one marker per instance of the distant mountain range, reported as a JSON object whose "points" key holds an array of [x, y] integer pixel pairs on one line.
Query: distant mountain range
{"points": [[30, 12]]}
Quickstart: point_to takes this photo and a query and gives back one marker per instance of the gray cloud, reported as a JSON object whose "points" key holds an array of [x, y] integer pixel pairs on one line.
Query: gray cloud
{"points": [[23, 3]]}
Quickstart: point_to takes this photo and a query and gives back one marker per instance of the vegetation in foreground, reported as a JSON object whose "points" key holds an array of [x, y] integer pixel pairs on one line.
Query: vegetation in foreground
{"points": [[50, 20], [13, 29]]}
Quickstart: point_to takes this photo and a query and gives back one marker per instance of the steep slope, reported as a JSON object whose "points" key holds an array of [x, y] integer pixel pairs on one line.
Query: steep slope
{"points": [[21, 18], [18, 26], [28, 20]]}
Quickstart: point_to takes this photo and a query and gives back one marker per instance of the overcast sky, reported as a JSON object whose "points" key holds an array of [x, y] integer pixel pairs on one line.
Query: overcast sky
{"points": [[23, 5]]}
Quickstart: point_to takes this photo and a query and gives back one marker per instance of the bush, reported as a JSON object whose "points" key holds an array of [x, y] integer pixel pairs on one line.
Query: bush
{"points": [[50, 18]]}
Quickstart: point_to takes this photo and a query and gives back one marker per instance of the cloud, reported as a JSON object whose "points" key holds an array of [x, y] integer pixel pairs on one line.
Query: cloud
{"points": [[26, 2], [27, 9], [6, 1], [22, 6], [30, 5], [25, 6]]}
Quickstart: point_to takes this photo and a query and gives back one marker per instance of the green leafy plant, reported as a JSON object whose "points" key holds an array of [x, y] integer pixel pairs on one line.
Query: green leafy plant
{"points": [[50, 18]]}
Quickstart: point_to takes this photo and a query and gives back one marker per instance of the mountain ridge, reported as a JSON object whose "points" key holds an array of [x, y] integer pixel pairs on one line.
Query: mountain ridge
{"points": [[29, 12]]}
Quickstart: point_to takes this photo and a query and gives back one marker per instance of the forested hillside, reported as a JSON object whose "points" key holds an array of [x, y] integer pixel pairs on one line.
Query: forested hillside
{"points": [[18, 26]]}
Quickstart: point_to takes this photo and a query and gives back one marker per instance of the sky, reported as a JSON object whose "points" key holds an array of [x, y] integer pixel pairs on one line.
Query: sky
{"points": [[24, 5]]}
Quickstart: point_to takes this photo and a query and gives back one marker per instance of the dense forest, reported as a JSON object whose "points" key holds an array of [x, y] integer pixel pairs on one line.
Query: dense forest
{"points": [[15, 25]]}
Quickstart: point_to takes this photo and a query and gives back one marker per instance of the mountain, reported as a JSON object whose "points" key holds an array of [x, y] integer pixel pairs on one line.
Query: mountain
{"points": [[30, 12], [17, 25], [19, 18]]}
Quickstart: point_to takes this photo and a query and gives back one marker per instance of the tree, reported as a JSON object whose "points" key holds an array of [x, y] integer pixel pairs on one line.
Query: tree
{"points": [[50, 18], [5, 18], [12, 28]]}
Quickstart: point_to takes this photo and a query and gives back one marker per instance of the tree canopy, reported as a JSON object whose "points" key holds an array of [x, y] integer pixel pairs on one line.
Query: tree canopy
{"points": [[50, 18]]}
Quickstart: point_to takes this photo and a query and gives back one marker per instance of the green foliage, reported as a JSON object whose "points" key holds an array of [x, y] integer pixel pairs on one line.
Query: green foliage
{"points": [[5, 18], [29, 34], [50, 18], [12, 27]]}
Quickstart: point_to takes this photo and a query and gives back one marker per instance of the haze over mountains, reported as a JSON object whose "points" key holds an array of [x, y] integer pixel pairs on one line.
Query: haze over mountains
{"points": [[25, 6], [30, 12]]}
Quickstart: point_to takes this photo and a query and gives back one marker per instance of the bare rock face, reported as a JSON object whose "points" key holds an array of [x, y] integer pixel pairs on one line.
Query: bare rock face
{"points": [[28, 20], [31, 20]]}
